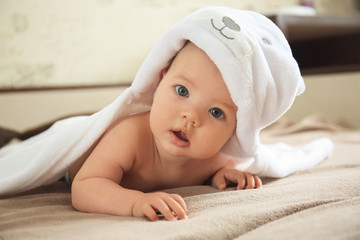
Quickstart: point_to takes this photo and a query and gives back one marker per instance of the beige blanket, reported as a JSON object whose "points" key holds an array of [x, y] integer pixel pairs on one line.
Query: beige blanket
{"points": [[318, 203]]}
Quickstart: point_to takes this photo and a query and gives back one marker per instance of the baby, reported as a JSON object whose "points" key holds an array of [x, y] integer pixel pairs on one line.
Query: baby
{"points": [[193, 121], [176, 144]]}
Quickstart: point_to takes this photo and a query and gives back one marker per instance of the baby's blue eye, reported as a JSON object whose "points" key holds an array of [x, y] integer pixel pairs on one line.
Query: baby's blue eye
{"points": [[217, 113], [182, 91]]}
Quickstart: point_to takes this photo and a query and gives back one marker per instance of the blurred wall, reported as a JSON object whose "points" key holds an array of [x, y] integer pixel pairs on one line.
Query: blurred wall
{"points": [[334, 96], [87, 42]]}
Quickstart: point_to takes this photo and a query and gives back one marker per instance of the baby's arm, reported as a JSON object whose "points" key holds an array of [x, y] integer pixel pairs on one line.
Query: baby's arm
{"points": [[228, 175], [96, 187], [100, 195]]}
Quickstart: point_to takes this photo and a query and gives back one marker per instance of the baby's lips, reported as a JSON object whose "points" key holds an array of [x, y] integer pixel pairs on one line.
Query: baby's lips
{"points": [[182, 135], [178, 140]]}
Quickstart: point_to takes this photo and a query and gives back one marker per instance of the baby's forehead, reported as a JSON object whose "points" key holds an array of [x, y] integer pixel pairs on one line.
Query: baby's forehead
{"points": [[192, 58], [195, 64]]}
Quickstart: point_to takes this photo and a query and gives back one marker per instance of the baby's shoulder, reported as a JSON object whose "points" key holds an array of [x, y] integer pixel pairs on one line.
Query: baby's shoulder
{"points": [[134, 122], [132, 127]]}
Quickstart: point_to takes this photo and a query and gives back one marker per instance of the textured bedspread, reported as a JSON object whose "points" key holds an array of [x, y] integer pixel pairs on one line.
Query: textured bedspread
{"points": [[319, 203]]}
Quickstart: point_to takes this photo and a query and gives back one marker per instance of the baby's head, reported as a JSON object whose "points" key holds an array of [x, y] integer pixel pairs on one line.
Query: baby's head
{"points": [[254, 60], [192, 114]]}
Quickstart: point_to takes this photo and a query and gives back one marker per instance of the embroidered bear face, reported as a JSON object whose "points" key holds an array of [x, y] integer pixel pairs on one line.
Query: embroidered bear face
{"points": [[226, 27], [229, 30]]}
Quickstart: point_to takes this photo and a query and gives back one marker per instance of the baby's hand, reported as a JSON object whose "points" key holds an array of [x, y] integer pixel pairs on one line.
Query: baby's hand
{"points": [[225, 177], [169, 205]]}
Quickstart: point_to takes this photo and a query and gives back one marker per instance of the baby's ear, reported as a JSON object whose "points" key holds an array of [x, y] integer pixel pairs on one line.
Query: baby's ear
{"points": [[163, 73]]}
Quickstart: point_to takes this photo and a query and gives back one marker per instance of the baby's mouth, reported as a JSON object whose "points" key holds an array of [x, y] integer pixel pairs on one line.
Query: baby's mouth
{"points": [[179, 138], [181, 135]]}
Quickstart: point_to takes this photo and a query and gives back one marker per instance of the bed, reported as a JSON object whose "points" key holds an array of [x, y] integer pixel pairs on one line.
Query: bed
{"points": [[318, 203]]}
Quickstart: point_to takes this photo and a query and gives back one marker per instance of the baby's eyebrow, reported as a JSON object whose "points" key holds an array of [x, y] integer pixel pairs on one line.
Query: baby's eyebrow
{"points": [[228, 106], [188, 80]]}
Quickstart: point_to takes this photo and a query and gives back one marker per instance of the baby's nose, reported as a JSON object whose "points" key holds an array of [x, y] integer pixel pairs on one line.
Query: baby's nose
{"points": [[192, 118]]}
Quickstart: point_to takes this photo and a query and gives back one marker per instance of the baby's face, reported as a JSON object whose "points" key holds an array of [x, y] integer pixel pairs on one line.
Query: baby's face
{"points": [[192, 114]]}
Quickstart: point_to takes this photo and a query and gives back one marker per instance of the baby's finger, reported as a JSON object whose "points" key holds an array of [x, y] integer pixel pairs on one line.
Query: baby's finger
{"points": [[219, 182], [258, 182], [241, 181], [150, 213], [163, 208], [180, 200], [176, 208], [250, 181]]}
